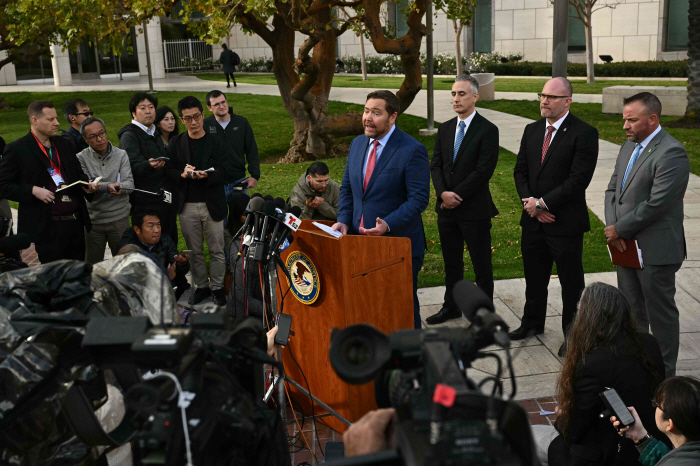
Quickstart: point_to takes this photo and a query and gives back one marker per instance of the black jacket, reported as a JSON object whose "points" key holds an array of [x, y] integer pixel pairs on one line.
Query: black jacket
{"points": [[593, 440], [24, 166], [469, 176], [563, 177], [141, 147], [214, 155], [163, 252], [73, 135], [238, 136]]}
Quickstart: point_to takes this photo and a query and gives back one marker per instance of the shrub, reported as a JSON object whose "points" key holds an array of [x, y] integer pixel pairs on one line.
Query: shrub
{"points": [[629, 69], [255, 64]]}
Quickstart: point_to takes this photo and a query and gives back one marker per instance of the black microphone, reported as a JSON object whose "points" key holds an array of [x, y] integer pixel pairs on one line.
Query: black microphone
{"points": [[295, 210], [280, 211], [269, 198], [476, 306], [281, 205], [248, 211], [277, 242], [256, 204], [268, 211]]}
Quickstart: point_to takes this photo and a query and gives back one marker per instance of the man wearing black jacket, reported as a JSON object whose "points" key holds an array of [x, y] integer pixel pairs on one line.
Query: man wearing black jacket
{"points": [[32, 169], [237, 134], [464, 158], [555, 164], [202, 164], [75, 111], [149, 159]]}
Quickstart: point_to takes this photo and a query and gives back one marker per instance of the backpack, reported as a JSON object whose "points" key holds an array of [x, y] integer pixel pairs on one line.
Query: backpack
{"points": [[236, 59]]}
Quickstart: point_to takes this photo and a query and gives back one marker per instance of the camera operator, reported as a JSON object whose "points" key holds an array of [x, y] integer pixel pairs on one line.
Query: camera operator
{"points": [[677, 405], [370, 434], [604, 350]]}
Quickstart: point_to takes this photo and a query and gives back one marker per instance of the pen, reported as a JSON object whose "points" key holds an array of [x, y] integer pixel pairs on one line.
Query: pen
{"points": [[51, 199]]}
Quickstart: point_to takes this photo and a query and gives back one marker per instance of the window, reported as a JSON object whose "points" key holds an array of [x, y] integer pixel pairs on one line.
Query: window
{"points": [[677, 25], [482, 26], [577, 32]]}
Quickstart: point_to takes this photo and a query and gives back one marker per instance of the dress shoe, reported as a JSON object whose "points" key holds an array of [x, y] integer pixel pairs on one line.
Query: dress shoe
{"points": [[200, 295], [522, 332], [219, 297], [443, 316]]}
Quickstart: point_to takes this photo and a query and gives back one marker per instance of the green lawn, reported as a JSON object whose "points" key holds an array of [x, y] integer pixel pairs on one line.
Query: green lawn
{"points": [[609, 126], [273, 129], [445, 83]]}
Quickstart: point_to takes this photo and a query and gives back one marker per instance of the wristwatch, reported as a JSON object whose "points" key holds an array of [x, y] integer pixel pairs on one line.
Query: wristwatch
{"points": [[646, 438], [539, 207]]}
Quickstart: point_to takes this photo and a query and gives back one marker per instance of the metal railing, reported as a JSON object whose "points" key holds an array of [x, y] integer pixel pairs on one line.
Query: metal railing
{"points": [[181, 55]]}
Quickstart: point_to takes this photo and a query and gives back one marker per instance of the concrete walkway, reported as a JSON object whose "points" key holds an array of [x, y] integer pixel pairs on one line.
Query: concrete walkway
{"points": [[536, 364]]}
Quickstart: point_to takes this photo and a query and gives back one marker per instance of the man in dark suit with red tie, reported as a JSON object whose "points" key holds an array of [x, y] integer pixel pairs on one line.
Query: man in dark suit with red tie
{"points": [[464, 158], [555, 164], [386, 184]]}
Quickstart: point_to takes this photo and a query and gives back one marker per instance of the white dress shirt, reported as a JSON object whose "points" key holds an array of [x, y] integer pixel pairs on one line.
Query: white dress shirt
{"points": [[150, 131], [382, 142], [467, 121]]}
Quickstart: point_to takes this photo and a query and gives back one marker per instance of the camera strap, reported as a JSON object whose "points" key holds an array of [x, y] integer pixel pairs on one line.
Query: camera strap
{"points": [[81, 415]]}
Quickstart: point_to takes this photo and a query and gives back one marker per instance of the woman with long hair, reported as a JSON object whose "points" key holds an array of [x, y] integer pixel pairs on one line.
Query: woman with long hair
{"points": [[166, 124], [604, 351]]}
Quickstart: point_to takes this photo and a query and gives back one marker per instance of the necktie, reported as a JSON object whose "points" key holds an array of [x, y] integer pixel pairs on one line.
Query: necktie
{"points": [[633, 159], [458, 140], [371, 162], [547, 141]]}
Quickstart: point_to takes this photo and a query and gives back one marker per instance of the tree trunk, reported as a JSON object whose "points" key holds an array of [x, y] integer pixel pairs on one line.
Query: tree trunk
{"points": [[692, 111], [588, 26], [458, 46], [362, 56]]}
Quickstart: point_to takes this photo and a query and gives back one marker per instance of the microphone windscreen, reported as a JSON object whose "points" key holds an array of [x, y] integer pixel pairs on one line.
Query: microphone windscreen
{"points": [[269, 198], [295, 210], [470, 298], [256, 195], [280, 204], [256, 204], [269, 208]]}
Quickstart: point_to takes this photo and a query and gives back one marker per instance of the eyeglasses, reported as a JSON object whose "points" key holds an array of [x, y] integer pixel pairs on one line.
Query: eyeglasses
{"points": [[219, 104], [87, 114], [189, 119], [101, 135], [322, 183], [552, 97], [656, 405]]}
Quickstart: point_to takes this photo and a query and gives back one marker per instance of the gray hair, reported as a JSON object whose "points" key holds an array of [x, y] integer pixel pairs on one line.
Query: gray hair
{"points": [[471, 79], [89, 121]]}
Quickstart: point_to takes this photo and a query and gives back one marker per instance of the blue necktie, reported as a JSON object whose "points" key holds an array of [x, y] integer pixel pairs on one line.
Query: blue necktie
{"points": [[633, 159], [458, 140]]}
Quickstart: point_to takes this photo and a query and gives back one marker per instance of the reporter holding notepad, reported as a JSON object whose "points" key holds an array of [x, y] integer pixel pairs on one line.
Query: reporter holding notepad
{"points": [[644, 201], [32, 169]]}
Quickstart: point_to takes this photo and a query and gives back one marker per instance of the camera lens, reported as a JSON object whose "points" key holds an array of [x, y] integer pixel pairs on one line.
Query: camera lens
{"points": [[358, 353]]}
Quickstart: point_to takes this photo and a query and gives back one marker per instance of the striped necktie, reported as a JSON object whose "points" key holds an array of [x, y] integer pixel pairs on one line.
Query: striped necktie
{"points": [[633, 159], [458, 140]]}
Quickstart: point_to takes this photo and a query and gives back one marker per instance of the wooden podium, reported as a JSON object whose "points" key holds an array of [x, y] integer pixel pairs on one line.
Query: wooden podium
{"points": [[361, 280]]}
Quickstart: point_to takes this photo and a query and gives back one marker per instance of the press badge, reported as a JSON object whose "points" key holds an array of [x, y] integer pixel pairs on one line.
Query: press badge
{"points": [[56, 177]]}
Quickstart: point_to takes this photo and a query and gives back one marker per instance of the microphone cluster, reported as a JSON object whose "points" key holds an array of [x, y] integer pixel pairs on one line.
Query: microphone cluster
{"points": [[269, 222]]}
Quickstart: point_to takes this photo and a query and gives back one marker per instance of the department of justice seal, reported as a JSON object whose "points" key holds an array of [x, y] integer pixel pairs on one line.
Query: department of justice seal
{"points": [[305, 281]]}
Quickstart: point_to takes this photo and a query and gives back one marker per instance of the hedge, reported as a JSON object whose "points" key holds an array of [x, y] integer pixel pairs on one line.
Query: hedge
{"points": [[626, 69]]}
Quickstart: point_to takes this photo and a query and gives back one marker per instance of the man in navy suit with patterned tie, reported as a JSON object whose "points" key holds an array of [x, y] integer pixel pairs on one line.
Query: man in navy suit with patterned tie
{"points": [[386, 184]]}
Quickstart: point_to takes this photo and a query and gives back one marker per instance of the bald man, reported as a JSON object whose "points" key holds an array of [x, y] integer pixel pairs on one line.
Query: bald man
{"points": [[555, 164]]}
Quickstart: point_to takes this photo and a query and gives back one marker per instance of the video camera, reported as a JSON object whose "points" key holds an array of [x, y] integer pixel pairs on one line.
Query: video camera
{"points": [[442, 417], [187, 394]]}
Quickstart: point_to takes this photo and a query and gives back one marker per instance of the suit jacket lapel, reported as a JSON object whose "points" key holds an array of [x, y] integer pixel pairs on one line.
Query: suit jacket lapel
{"points": [[449, 142], [561, 134], [33, 147], [358, 163], [538, 143], [387, 152], [473, 127], [648, 150]]}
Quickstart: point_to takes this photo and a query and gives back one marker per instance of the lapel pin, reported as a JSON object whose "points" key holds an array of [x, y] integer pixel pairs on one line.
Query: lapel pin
{"points": [[565, 129], [650, 151]]}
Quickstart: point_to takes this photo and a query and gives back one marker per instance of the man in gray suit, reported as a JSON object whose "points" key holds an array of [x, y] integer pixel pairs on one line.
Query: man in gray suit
{"points": [[644, 201]]}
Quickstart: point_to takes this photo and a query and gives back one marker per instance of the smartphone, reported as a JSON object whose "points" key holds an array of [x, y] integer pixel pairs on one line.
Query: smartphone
{"points": [[617, 407], [284, 325], [186, 251], [310, 196]]}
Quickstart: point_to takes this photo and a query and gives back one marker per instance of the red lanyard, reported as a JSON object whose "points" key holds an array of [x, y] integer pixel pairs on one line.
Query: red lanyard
{"points": [[43, 149]]}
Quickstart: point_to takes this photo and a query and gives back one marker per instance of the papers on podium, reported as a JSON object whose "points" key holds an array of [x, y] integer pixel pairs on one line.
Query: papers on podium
{"points": [[329, 230], [631, 257]]}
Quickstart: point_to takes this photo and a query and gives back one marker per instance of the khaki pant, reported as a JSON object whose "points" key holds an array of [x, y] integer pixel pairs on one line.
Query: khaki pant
{"points": [[101, 235], [196, 225]]}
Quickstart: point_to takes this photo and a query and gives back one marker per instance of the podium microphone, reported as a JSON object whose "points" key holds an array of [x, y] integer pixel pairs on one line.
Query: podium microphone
{"points": [[276, 242], [253, 207]]}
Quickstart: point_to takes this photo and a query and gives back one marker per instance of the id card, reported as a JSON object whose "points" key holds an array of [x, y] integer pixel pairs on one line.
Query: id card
{"points": [[56, 177]]}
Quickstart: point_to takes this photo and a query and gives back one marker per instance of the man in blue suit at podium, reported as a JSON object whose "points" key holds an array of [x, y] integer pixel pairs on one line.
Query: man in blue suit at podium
{"points": [[386, 183]]}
